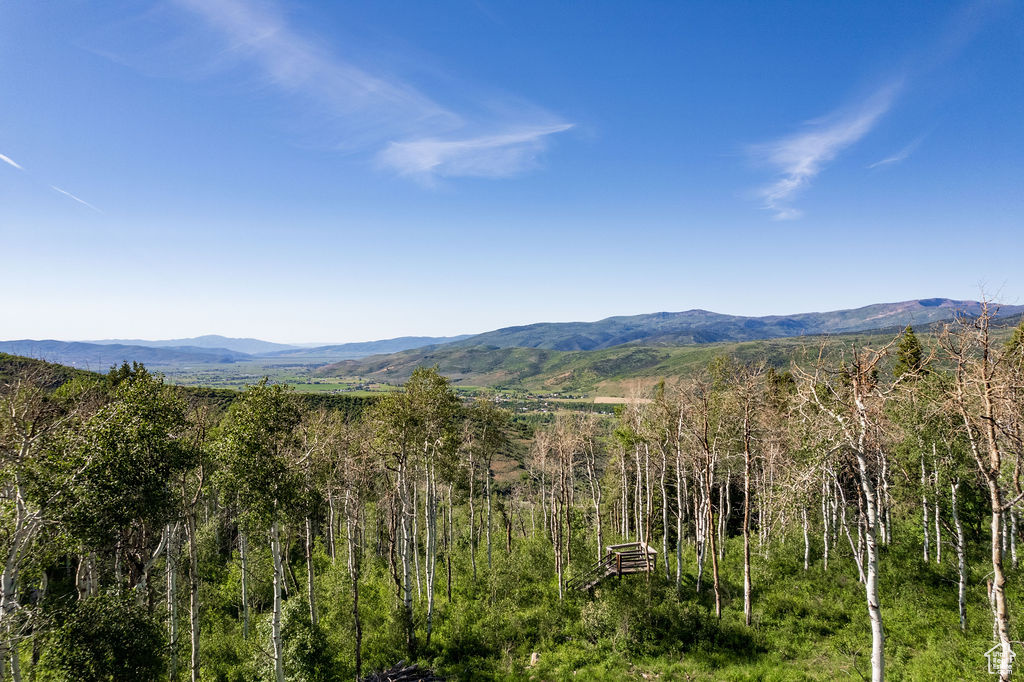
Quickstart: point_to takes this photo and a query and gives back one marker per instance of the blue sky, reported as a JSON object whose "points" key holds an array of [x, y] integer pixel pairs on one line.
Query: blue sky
{"points": [[341, 171]]}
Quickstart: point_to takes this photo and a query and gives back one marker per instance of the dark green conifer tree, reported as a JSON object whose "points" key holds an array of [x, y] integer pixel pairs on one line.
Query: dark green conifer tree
{"points": [[909, 355]]}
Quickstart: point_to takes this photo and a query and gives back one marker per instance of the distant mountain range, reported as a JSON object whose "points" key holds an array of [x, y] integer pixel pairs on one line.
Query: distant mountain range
{"points": [[247, 346], [99, 357], [204, 350], [702, 326], [616, 369], [664, 329], [365, 348]]}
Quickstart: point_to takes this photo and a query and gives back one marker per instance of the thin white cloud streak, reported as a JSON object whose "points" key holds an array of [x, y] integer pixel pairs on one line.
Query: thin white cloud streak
{"points": [[899, 156], [72, 196], [800, 157], [293, 63], [420, 136], [488, 156], [10, 162]]}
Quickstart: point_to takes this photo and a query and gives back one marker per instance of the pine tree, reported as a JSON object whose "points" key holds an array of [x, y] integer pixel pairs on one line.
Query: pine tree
{"points": [[909, 355]]}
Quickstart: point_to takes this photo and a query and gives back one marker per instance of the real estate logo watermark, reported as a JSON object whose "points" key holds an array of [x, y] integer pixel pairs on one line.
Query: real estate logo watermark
{"points": [[994, 656]]}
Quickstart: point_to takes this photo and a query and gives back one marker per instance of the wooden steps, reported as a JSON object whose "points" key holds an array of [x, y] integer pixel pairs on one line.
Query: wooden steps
{"points": [[631, 557]]}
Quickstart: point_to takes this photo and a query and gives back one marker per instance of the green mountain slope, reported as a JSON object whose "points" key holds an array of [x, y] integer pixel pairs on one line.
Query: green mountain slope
{"points": [[608, 371], [605, 371], [702, 326], [360, 349]]}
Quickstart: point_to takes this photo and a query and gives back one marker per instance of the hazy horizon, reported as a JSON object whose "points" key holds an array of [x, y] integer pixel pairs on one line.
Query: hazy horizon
{"points": [[311, 344]]}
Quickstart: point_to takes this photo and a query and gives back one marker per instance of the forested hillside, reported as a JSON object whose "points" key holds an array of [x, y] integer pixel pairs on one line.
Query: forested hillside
{"points": [[852, 515], [704, 326], [608, 371]]}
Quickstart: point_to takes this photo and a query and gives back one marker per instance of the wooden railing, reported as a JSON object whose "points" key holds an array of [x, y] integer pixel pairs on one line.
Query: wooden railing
{"points": [[631, 557]]}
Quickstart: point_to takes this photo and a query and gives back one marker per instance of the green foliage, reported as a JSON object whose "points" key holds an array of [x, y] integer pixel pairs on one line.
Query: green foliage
{"points": [[119, 465], [257, 437], [107, 638], [1015, 344], [308, 653], [909, 354]]}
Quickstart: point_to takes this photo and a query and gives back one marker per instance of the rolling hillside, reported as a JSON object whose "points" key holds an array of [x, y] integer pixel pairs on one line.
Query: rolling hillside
{"points": [[607, 371], [344, 351], [99, 357], [702, 326]]}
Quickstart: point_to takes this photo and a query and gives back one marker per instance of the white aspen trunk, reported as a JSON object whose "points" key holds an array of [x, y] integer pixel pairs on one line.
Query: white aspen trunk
{"points": [[278, 648], [407, 548], [938, 523], [824, 519], [450, 530], [679, 518], [487, 492], [431, 558], [880, 510], [193, 589], [353, 571], [331, 521], [650, 496], [701, 531], [638, 505], [1005, 537], [543, 502], [711, 540], [857, 557], [243, 553], [595, 496], [836, 496], [172, 602], [723, 512], [961, 555], [747, 581], [624, 529], [1000, 612], [871, 586], [472, 509], [664, 514], [310, 591], [556, 515], [15, 660], [860, 535], [1013, 536], [924, 510], [416, 538], [807, 541], [886, 518]]}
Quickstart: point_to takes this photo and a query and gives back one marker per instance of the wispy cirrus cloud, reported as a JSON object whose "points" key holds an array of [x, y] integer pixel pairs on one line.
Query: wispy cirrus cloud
{"points": [[405, 129], [800, 157], [10, 162], [901, 155], [488, 156]]}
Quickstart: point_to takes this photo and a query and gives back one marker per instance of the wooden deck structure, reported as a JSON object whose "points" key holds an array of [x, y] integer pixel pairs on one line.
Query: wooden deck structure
{"points": [[631, 557]]}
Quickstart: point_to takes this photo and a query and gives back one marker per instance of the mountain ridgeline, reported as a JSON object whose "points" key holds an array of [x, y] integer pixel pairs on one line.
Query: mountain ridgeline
{"points": [[609, 355], [525, 350], [702, 326]]}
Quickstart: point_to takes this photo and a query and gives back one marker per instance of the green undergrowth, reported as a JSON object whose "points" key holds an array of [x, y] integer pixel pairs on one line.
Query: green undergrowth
{"points": [[808, 624]]}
